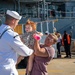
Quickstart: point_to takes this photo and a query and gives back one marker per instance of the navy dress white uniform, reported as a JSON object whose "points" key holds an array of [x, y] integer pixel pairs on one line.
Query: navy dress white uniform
{"points": [[10, 46]]}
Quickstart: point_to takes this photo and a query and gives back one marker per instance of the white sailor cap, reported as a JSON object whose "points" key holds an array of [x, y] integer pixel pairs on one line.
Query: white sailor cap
{"points": [[13, 14]]}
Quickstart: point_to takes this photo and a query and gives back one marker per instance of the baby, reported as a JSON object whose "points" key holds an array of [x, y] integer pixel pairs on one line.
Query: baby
{"points": [[27, 38]]}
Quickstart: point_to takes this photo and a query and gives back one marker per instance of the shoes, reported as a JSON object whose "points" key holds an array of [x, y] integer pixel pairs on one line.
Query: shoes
{"points": [[66, 57], [58, 56], [69, 56]]}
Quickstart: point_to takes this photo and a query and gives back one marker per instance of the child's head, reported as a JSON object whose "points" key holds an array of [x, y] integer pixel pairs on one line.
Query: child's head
{"points": [[30, 26]]}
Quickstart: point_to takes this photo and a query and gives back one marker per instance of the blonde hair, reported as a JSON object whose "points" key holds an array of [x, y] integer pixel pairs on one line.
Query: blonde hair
{"points": [[57, 34], [32, 24], [54, 37]]}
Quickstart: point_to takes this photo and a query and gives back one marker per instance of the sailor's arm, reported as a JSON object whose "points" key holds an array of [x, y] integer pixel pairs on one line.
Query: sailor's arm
{"points": [[18, 46]]}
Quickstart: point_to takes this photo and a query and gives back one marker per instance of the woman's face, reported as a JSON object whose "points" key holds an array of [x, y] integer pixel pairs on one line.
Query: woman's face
{"points": [[49, 40], [28, 28]]}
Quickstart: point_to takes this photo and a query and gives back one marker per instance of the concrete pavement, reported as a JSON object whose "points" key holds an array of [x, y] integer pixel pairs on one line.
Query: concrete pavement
{"points": [[62, 67]]}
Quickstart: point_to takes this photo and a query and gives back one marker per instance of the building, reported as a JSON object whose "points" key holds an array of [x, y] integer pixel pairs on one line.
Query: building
{"points": [[49, 14]]}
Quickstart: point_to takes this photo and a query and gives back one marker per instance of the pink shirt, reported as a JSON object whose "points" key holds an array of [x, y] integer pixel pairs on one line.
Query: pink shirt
{"points": [[40, 63]]}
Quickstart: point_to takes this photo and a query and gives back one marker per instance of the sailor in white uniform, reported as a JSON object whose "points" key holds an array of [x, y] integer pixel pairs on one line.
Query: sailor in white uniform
{"points": [[10, 44]]}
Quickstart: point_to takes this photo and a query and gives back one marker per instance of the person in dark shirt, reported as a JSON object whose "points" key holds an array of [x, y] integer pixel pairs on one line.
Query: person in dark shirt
{"points": [[53, 13], [58, 44], [66, 42]]}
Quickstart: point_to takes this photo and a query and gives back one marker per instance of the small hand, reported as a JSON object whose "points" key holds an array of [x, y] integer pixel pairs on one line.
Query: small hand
{"points": [[36, 36], [28, 73]]}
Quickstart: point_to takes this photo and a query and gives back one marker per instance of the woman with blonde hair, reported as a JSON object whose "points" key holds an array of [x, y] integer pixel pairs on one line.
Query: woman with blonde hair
{"points": [[43, 55]]}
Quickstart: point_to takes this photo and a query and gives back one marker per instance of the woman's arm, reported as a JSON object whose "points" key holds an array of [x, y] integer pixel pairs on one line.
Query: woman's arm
{"points": [[40, 51]]}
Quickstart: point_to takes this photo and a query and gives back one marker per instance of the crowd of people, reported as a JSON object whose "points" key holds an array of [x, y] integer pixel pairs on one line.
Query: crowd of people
{"points": [[14, 48]]}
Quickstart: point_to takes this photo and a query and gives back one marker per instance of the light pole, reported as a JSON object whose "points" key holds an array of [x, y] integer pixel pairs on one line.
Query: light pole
{"points": [[47, 27], [44, 8], [54, 29], [41, 28], [19, 6], [71, 33]]}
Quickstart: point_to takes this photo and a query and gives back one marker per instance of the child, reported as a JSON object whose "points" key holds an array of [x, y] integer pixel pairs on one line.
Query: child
{"points": [[27, 38]]}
